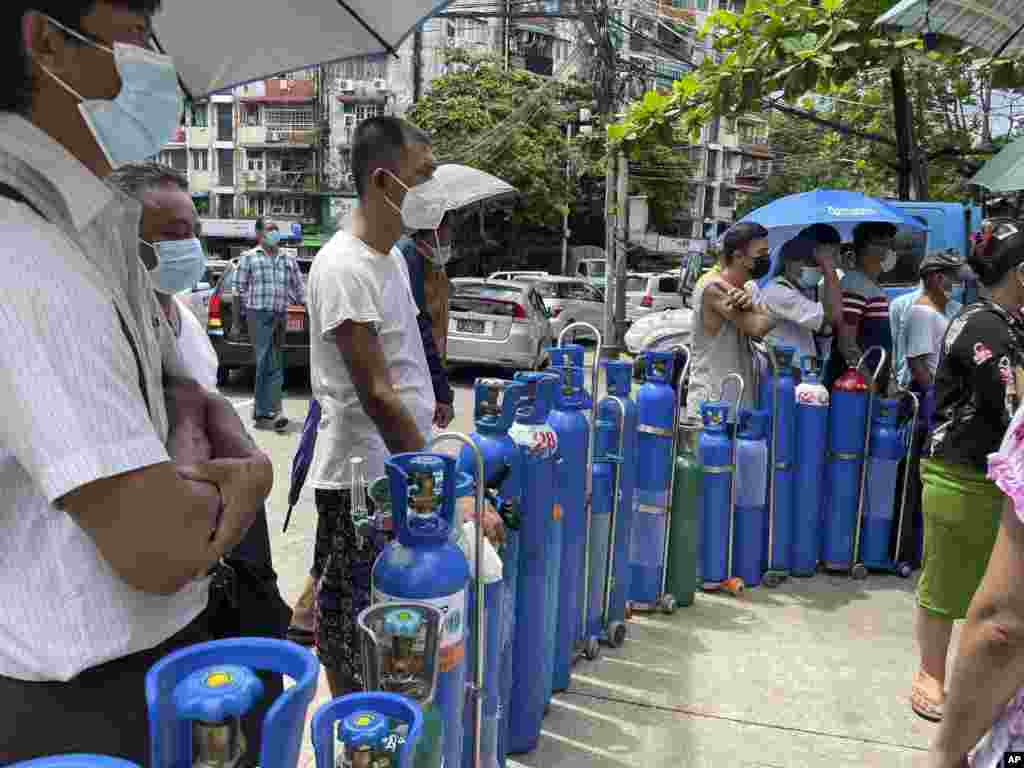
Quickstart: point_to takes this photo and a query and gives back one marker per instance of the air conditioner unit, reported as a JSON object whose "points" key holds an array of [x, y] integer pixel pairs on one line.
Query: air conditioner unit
{"points": [[276, 135], [346, 85], [380, 85]]}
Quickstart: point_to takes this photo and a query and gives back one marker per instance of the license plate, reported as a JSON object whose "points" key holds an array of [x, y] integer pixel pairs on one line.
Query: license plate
{"points": [[295, 323], [471, 326]]}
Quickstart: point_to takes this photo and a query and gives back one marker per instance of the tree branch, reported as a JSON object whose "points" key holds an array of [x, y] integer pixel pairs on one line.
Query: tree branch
{"points": [[838, 127]]}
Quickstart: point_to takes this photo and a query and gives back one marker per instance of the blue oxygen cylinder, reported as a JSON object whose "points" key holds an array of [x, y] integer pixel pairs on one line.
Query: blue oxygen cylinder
{"points": [[196, 696], [781, 386], [364, 730], [846, 421], [886, 450], [715, 457], [76, 761], [553, 559], [656, 408], [496, 403], [569, 420], [751, 495], [533, 647], [423, 564], [572, 356], [812, 401], [619, 383]]}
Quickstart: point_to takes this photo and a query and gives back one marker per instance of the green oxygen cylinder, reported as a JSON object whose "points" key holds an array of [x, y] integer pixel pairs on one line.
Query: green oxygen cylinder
{"points": [[684, 532]]}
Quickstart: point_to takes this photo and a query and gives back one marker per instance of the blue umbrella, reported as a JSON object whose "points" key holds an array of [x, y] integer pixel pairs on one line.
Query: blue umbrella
{"points": [[303, 458], [844, 210]]}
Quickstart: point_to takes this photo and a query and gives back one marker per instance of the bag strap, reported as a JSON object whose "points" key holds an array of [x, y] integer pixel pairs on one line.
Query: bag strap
{"points": [[6, 190]]}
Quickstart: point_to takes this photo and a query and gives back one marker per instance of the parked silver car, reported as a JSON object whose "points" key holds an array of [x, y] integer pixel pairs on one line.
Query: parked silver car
{"points": [[647, 293], [495, 322], [569, 300]]}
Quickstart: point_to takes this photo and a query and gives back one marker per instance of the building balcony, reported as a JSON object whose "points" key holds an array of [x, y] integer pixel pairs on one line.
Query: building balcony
{"points": [[200, 181], [198, 136], [262, 135]]}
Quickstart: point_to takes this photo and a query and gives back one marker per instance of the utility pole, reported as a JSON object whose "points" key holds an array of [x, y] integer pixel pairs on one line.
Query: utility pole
{"points": [[621, 253], [610, 195], [565, 216], [506, 32], [417, 64]]}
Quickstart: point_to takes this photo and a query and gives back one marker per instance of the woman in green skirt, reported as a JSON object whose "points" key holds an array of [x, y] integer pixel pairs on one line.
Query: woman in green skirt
{"points": [[976, 394]]}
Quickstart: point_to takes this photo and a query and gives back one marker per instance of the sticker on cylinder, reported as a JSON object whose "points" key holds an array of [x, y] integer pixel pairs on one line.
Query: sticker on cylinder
{"points": [[556, 512], [539, 440], [453, 625]]}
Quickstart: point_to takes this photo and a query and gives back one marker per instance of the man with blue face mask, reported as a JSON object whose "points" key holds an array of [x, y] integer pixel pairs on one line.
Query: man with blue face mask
{"points": [[108, 532], [806, 261], [268, 281]]}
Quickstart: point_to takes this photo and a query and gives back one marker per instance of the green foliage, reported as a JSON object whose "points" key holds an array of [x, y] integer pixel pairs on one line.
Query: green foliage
{"points": [[796, 48], [464, 110]]}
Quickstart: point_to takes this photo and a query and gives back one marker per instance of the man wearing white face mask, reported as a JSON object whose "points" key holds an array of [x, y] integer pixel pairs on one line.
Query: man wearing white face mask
{"points": [[806, 260], [426, 254], [368, 368], [106, 536], [268, 281]]}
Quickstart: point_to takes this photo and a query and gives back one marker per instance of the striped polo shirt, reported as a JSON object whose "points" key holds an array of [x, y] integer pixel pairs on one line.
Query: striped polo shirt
{"points": [[866, 309]]}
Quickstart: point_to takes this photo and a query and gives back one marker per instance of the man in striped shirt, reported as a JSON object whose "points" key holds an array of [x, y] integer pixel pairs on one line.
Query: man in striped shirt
{"points": [[865, 304]]}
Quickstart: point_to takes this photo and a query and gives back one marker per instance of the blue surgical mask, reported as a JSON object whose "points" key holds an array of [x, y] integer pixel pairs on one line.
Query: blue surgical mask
{"points": [[272, 238], [810, 277], [179, 265], [136, 123]]}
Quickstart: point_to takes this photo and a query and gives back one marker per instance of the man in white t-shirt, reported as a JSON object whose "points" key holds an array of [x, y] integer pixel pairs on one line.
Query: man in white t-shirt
{"points": [[368, 368]]}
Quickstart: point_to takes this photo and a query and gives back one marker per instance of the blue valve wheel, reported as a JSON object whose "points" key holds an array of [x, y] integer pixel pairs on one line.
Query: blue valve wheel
{"points": [[364, 729], [217, 694], [403, 622]]}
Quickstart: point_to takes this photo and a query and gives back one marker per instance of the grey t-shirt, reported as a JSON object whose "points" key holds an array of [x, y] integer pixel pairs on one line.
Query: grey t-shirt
{"points": [[716, 356]]}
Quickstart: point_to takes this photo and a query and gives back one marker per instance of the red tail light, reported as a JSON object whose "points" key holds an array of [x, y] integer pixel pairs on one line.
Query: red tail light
{"points": [[213, 317], [647, 300], [520, 313]]}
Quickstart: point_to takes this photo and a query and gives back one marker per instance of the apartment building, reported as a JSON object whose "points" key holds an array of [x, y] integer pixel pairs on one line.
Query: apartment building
{"points": [[732, 157]]}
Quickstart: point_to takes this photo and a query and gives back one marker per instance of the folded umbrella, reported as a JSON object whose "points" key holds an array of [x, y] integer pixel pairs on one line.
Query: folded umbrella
{"points": [[303, 458], [226, 43]]}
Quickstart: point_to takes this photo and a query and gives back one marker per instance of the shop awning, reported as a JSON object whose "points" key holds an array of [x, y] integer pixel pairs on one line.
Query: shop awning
{"points": [[985, 24], [1005, 171]]}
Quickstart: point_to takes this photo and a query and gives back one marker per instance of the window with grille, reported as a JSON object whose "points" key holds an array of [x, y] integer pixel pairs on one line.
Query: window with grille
{"points": [[251, 114], [200, 115], [175, 158], [727, 198], [200, 159], [289, 119], [254, 161], [366, 111]]}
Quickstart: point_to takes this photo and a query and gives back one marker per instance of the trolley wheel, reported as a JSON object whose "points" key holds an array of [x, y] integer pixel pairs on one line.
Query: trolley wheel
{"points": [[771, 579], [667, 604], [629, 611], [734, 586], [821, 568], [591, 648], [859, 572], [616, 634], [904, 570]]}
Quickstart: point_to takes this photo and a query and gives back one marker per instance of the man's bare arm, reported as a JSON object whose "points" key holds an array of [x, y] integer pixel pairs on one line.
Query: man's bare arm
{"points": [[360, 349], [753, 322]]}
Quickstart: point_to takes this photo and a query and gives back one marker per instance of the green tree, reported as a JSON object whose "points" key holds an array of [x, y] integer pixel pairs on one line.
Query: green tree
{"points": [[793, 48], [509, 123]]}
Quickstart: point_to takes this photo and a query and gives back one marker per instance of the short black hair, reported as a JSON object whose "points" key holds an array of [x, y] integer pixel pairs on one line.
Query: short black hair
{"points": [[16, 94], [799, 249], [991, 260], [740, 236], [867, 231], [377, 144], [824, 234]]}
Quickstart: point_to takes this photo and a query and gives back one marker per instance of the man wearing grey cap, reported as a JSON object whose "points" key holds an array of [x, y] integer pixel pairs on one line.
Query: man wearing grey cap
{"points": [[919, 319]]}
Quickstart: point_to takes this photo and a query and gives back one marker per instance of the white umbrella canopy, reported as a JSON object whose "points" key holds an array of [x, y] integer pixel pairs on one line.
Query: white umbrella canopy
{"points": [[224, 43], [464, 186]]}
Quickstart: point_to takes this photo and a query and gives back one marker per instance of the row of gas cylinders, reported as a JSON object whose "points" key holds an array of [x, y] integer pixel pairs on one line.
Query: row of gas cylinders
{"points": [[583, 488], [807, 480]]}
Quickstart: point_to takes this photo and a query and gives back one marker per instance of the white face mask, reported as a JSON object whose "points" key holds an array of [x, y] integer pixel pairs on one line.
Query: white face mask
{"points": [[424, 205], [143, 116], [890, 260]]}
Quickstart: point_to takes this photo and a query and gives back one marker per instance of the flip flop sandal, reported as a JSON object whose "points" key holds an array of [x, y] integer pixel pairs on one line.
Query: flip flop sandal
{"points": [[925, 706], [300, 636]]}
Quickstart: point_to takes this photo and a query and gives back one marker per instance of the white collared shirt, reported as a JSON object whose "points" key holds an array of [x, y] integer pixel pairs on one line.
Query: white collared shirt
{"points": [[74, 410]]}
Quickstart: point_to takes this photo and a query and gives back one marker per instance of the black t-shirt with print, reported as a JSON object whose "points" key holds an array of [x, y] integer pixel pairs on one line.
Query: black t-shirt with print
{"points": [[975, 385]]}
